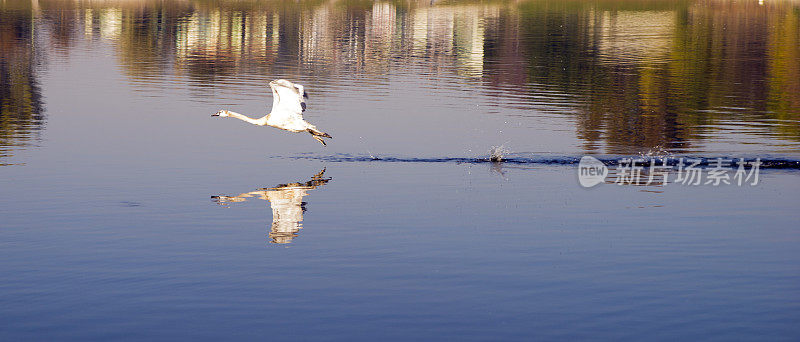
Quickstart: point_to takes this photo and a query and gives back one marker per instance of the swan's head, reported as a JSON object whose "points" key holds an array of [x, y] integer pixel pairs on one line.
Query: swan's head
{"points": [[223, 113]]}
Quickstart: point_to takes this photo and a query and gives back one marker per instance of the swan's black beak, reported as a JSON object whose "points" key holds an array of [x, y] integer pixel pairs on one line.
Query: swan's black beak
{"points": [[215, 114], [305, 94]]}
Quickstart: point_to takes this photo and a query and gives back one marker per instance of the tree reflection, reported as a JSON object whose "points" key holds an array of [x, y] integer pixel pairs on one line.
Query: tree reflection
{"points": [[646, 86], [646, 73], [21, 107]]}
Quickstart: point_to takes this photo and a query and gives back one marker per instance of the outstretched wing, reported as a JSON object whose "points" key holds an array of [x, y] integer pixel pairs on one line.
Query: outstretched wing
{"points": [[288, 99]]}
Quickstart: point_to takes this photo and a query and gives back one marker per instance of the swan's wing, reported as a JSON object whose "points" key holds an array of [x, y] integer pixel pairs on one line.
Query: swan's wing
{"points": [[289, 99]]}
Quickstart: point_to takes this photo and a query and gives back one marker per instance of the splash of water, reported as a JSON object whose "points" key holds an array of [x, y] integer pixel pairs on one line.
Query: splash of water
{"points": [[657, 152], [496, 153]]}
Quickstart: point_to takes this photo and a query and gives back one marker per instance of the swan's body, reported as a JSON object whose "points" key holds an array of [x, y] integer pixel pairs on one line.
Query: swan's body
{"points": [[288, 105]]}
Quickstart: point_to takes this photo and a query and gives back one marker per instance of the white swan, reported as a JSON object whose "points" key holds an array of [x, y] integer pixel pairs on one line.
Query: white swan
{"points": [[288, 105]]}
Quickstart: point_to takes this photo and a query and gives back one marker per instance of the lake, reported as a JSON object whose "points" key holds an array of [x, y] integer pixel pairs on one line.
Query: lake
{"points": [[128, 212]]}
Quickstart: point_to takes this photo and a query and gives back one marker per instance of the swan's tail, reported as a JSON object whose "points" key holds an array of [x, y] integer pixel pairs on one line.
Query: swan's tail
{"points": [[318, 135]]}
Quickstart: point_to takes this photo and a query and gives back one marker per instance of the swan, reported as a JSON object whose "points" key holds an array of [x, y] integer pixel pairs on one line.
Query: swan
{"points": [[288, 105]]}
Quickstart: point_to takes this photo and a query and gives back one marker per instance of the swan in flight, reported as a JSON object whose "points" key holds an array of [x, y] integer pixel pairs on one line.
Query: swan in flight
{"points": [[288, 105], [287, 205]]}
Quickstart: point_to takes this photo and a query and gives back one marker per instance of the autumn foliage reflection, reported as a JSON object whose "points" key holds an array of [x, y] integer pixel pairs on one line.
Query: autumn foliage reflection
{"points": [[642, 73]]}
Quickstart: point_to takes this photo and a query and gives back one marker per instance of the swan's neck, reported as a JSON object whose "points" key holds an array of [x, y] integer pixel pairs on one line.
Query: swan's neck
{"points": [[261, 122]]}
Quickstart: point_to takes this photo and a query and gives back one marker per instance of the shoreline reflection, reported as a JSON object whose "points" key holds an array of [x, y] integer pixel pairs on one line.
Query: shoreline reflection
{"points": [[21, 101], [691, 76], [286, 201]]}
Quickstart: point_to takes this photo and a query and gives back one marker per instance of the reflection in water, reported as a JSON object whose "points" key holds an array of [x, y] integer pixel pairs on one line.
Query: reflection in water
{"points": [[21, 107], [287, 205], [633, 74], [668, 76]]}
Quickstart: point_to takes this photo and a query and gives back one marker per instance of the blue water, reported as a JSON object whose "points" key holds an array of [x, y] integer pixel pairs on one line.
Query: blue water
{"points": [[128, 213], [401, 251]]}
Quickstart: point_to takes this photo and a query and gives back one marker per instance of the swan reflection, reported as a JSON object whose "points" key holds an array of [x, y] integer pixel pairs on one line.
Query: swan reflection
{"points": [[287, 205]]}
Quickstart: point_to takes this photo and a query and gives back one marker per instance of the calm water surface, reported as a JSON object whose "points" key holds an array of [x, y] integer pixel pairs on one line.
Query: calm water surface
{"points": [[127, 212]]}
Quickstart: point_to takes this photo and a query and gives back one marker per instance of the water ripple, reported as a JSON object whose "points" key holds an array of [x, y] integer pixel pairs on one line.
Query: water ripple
{"points": [[767, 162]]}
